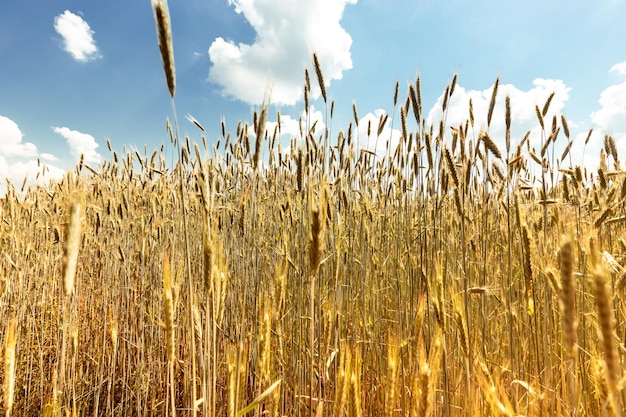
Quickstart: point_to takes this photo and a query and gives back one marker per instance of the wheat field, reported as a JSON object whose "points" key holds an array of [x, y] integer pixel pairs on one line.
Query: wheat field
{"points": [[445, 277]]}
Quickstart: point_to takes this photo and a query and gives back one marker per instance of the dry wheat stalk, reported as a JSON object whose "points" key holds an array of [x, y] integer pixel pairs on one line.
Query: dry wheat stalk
{"points": [[166, 46], [507, 121], [492, 102], [317, 240], [391, 382], [565, 127], [568, 297], [606, 324], [320, 76], [528, 271], [72, 244], [9, 365], [539, 117], [490, 144], [546, 106], [260, 134], [451, 166], [613, 148], [168, 306], [403, 124], [446, 96], [395, 94]]}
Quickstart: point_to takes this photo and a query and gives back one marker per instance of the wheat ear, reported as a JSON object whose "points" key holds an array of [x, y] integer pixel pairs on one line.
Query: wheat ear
{"points": [[166, 46], [320, 76]]}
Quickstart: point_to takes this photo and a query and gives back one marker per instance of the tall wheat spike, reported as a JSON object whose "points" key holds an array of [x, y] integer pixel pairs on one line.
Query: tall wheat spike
{"points": [[490, 144], [492, 102], [320, 76], [166, 46]]}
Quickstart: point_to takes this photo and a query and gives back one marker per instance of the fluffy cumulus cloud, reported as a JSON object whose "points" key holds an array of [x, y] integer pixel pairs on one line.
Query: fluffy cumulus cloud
{"points": [[20, 161], [77, 36], [11, 144], [80, 144], [610, 118], [612, 114], [620, 68], [287, 33]]}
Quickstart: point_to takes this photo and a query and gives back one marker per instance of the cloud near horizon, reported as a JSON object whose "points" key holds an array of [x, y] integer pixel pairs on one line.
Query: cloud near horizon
{"points": [[619, 68], [610, 118], [77, 37], [287, 34], [20, 160], [80, 144]]}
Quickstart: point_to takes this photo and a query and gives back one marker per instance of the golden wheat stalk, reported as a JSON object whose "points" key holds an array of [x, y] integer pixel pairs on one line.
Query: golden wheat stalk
{"points": [[451, 166], [492, 102], [539, 117], [568, 297], [72, 244], [568, 312], [528, 270], [565, 127], [260, 133], [317, 238], [391, 382], [606, 324], [546, 106], [166, 46], [405, 136], [490, 144], [320, 75], [507, 121], [168, 306], [9, 366]]}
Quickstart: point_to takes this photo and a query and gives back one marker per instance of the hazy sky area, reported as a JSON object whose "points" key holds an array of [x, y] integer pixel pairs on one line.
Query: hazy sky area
{"points": [[74, 73]]}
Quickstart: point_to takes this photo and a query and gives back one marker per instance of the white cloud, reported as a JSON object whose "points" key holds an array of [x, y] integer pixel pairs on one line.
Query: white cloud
{"points": [[80, 144], [77, 36], [610, 118], [288, 33], [620, 68], [612, 114], [48, 157], [31, 170], [11, 144], [19, 160]]}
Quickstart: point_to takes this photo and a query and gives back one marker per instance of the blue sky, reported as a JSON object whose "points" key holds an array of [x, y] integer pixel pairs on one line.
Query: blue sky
{"points": [[74, 73]]}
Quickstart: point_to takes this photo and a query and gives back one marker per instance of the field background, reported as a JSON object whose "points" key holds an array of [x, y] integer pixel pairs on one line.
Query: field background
{"points": [[424, 295], [444, 277]]}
